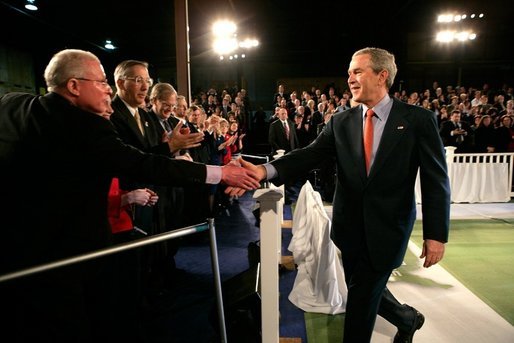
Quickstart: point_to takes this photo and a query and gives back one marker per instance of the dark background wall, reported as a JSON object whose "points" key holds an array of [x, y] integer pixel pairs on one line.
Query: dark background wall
{"points": [[302, 42]]}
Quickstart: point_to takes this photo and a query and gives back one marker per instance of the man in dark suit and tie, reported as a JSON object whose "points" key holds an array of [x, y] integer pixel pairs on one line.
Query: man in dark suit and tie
{"points": [[282, 133], [58, 207], [374, 208], [457, 133]]}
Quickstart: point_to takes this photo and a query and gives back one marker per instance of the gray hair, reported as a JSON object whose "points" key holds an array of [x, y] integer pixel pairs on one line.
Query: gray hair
{"points": [[123, 68], [381, 60], [66, 64], [161, 90]]}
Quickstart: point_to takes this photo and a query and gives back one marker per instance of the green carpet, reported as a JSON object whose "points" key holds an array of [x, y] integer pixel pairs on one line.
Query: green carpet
{"points": [[324, 328], [479, 254]]}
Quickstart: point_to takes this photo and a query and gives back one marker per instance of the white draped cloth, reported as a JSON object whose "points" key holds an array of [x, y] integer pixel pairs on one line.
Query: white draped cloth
{"points": [[319, 285], [476, 182]]}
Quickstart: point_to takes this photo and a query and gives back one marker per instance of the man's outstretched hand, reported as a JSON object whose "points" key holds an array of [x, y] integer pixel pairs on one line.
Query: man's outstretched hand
{"points": [[259, 172], [238, 178]]}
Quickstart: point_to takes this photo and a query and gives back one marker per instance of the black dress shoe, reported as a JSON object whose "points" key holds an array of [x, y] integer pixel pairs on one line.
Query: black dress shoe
{"points": [[406, 336]]}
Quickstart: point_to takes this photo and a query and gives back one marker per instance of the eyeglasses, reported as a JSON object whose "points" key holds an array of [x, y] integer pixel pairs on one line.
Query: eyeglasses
{"points": [[166, 104], [104, 83], [139, 80]]}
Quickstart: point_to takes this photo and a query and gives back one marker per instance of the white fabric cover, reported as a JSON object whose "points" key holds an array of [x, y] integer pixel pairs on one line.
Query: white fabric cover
{"points": [[475, 182], [319, 285], [480, 182]]}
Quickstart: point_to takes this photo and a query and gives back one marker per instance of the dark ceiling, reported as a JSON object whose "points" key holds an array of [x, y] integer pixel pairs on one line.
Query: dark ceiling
{"points": [[320, 32]]}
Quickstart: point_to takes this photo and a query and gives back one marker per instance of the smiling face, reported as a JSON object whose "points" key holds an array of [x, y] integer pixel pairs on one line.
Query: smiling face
{"points": [[367, 86], [164, 105], [92, 93]]}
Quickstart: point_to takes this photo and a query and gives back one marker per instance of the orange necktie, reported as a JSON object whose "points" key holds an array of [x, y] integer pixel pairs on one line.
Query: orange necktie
{"points": [[368, 138]]}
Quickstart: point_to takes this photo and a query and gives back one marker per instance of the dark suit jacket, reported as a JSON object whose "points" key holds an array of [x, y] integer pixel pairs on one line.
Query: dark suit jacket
{"points": [[146, 218], [378, 211], [277, 136], [465, 145], [129, 132], [56, 165]]}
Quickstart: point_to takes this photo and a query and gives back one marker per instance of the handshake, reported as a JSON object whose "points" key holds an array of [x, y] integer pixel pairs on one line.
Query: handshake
{"points": [[241, 176]]}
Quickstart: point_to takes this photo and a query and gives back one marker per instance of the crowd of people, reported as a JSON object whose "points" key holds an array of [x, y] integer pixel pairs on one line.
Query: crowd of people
{"points": [[85, 170], [473, 120], [148, 161]]}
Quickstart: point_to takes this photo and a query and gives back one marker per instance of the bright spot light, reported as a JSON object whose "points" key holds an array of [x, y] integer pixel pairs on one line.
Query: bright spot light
{"points": [[243, 56], [481, 15], [224, 28], [249, 43], [462, 36], [31, 5], [457, 18], [445, 36], [464, 16], [450, 36], [108, 45], [231, 57], [445, 18], [224, 46], [222, 58]]}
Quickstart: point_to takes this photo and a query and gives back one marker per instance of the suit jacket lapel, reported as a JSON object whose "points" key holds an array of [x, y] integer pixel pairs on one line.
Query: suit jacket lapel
{"points": [[130, 120], [355, 143], [394, 129]]}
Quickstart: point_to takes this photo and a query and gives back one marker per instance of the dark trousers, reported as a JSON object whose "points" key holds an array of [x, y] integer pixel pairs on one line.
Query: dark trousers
{"points": [[367, 296]]}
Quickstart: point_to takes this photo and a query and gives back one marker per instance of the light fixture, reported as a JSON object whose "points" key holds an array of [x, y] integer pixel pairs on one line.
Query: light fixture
{"points": [[450, 36], [31, 5], [108, 45], [226, 42]]}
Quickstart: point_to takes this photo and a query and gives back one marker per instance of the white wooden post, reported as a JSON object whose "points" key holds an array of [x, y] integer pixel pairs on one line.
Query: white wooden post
{"points": [[270, 260]]}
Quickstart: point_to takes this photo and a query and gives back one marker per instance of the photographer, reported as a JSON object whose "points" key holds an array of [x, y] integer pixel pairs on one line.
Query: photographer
{"points": [[457, 133]]}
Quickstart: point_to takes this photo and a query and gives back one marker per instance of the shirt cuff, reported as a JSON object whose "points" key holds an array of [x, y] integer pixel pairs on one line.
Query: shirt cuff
{"points": [[271, 171], [213, 175]]}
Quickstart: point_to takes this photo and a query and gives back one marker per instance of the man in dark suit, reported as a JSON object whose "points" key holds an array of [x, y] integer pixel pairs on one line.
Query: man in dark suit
{"points": [[135, 127], [57, 160], [457, 133], [282, 133], [374, 207]]}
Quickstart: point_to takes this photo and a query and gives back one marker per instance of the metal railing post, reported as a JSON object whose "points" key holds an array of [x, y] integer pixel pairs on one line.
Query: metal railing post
{"points": [[217, 279]]}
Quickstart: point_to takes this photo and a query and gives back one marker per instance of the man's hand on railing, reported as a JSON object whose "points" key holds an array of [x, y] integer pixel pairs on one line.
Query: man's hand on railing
{"points": [[239, 179], [258, 171]]}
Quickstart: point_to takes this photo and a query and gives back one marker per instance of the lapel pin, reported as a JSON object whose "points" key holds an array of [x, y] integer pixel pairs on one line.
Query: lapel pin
{"points": [[146, 124], [399, 127]]}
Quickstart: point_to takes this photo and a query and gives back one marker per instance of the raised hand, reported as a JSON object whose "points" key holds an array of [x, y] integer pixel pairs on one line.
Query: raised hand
{"points": [[181, 138]]}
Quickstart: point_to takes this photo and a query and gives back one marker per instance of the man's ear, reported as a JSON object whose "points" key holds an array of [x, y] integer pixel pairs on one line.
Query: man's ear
{"points": [[73, 86], [383, 75]]}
